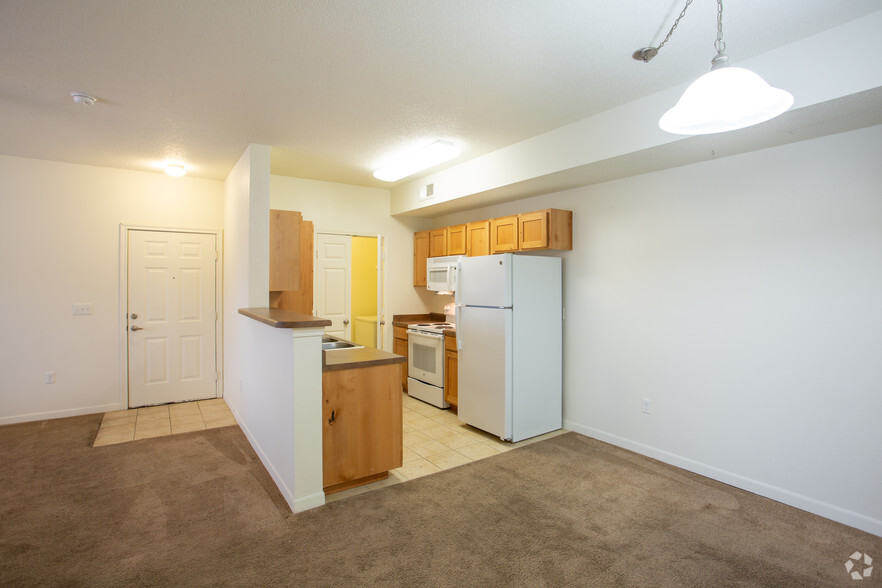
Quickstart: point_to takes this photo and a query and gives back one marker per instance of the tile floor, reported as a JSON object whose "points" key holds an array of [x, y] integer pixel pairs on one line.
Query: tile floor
{"points": [[434, 439], [155, 421]]}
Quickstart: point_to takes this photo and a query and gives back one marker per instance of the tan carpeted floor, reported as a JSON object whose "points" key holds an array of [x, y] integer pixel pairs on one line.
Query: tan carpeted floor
{"points": [[199, 509]]}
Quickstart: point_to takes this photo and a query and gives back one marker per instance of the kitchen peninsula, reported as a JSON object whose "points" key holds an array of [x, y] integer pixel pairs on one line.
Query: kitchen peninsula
{"points": [[355, 392]]}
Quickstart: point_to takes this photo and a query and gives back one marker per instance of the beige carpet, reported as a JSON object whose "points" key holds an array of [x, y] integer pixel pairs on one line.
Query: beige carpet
{"points": [[199, 509]]}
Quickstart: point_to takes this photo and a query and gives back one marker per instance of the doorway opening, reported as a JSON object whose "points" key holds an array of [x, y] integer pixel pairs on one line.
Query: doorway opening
{"points": [[349, 286]]}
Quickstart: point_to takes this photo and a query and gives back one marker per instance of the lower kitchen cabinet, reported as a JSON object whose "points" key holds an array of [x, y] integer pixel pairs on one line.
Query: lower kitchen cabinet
{"points": [[361, 426], [399, 347], [451, 374]]}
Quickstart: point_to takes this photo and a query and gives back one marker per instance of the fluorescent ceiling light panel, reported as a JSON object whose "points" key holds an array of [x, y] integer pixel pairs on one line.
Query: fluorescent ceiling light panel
{"points": [[431, 155]]}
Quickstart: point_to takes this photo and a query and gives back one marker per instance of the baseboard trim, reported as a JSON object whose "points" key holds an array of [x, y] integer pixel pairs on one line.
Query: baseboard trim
{"points": [[58, 414], [808, 504], [296, 504]]}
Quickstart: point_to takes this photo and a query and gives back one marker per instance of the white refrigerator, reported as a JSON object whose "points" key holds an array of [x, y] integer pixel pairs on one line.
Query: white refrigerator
{"points": [[509, 319]]}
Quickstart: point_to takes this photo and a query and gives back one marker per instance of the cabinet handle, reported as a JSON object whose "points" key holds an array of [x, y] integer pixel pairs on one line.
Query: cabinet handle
{"points": [[332, 419]]}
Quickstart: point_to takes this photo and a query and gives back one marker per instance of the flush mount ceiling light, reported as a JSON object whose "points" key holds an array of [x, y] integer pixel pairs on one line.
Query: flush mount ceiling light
{"points": [[83, 99], [175, 169], [724, 99], [437, 152]]}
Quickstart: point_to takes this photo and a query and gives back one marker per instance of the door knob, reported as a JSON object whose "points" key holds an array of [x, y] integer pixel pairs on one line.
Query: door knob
{"points": [[345, 322], [136, 328]]}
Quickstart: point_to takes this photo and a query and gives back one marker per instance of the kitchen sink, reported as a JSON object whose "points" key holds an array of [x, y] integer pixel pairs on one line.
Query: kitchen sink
{"points": [[331, 343]]}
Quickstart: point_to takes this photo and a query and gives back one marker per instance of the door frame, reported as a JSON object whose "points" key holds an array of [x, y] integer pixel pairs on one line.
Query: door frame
{"points": [[124, 301], [381, 277]]}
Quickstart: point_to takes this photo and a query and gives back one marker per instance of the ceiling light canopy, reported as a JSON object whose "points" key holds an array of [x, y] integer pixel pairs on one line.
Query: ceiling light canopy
{"points": [[428, 156], [724, 99], [84, 99], [175, 169]]}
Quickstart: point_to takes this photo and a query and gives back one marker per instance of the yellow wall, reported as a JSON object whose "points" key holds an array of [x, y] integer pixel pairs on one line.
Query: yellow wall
{"points": [[364, 280]]}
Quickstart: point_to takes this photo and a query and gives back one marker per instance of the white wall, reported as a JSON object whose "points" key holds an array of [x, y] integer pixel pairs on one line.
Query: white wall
{"points": [[246, 260], [272, 376], [352, 209], [59, 234], [742, 296]]}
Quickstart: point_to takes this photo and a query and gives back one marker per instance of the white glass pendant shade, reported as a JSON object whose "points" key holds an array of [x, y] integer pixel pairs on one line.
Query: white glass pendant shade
{"points": [[725, 99]]}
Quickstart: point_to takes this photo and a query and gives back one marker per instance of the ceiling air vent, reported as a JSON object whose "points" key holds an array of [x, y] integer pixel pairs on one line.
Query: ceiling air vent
{"points": [[427, 191]]}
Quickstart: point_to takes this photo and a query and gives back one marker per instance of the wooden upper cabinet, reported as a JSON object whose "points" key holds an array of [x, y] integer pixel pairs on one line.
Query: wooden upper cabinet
{"points": [[504, 234], [546, 229], [456, 240], [284, 255], [438, 242], [533, 230], [420, 255], [478, 238]]}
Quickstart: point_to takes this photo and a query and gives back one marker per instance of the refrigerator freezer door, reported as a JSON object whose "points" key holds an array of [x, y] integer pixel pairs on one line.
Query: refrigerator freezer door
{"points": [[485, 369], [485, 281]]}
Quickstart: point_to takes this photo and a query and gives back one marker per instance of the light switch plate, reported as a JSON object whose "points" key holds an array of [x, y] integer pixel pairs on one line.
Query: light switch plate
{"points": [[82, 308]]}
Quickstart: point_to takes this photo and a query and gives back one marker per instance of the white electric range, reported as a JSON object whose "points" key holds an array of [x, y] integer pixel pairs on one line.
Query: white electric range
{"points": [[425, 362]]}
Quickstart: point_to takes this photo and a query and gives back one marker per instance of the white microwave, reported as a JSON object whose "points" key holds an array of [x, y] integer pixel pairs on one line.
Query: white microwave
{"points": [[441, 273]]}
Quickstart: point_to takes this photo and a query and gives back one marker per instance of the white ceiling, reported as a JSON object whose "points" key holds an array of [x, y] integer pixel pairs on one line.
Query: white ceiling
{"points": [[336, 87]]}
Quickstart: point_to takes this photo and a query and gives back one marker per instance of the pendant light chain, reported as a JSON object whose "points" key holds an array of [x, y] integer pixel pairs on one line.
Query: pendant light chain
{"points": [[676, 22], [647, 53], [720, 44]]}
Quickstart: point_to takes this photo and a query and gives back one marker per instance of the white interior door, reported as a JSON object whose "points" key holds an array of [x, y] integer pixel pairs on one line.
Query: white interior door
{"points": [[172, 317], [332, 282]]}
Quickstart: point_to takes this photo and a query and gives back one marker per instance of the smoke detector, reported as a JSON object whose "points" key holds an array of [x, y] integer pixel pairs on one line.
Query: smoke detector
{"points": [[83, 99]]}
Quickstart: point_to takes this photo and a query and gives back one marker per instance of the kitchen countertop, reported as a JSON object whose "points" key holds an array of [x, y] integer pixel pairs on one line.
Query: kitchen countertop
{"points": [[359, 357], [284, 319], [405, 320], [337, 359]]}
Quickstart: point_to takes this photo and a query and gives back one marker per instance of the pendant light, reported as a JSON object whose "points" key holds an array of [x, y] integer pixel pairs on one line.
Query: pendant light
{"points": [[724, 99]]}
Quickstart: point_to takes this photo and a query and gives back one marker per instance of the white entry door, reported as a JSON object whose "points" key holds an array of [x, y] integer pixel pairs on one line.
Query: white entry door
{"points": [[332, 282], [172, 317]]}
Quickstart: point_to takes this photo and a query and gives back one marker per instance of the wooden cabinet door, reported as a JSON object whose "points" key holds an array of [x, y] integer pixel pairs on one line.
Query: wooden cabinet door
{"points": [[533, 230], [361, 426], [399, 347], [420, 255], [284, 258], [301, 299], [504, 234], [438, 243], [451, 374], [456, 240], [478, 238]]}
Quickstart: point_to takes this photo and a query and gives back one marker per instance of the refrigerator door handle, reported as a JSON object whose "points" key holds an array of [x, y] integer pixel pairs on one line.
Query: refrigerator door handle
{"points": [[457, 320]]}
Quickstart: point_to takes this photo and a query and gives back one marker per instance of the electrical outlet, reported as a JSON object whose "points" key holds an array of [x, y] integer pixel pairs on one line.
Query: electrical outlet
{"points": [[82, 308], [647, 405], [49, 378]]}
